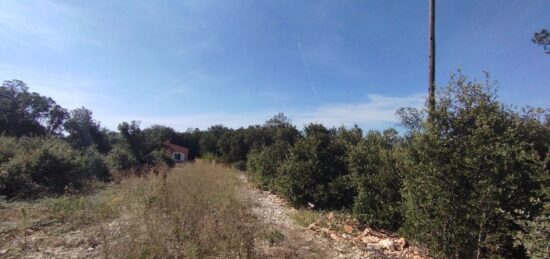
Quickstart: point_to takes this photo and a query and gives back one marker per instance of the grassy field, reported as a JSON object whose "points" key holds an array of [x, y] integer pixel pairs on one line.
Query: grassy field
{"points": [[194, 210]]}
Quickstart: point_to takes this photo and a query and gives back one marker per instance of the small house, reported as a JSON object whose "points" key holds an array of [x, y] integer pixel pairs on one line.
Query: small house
{"points": [[178, 153]]}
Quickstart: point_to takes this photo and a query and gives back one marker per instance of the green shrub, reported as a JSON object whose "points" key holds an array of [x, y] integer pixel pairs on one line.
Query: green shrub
{"points": [[377, 180], [48, 165], [469, 173], [121, 159], [232, 147], [8, 148], [315, 171], [208, 157], [159, 157], [96, 165], [263, 164], [136, 148]]}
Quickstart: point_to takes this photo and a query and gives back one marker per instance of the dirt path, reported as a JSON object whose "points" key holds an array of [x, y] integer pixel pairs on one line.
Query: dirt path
{"points": [[299, 242]]}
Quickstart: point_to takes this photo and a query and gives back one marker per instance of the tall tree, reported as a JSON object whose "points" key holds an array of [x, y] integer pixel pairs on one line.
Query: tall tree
{"points": [[155, 135], [542, 38], [133, 139], [431, 73], [24, 113], [83, 131]]}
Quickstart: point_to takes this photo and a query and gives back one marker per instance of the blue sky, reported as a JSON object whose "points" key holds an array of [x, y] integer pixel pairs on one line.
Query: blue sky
{"points": [[198, 63]]}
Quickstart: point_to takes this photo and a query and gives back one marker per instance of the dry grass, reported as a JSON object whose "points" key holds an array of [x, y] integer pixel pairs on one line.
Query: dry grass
{"points": [[305, 217], [194, 211], [26, 227], [335, 220]]}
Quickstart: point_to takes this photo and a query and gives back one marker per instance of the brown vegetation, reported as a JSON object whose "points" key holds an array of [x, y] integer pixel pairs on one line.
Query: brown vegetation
{"points": [[194, 211]]}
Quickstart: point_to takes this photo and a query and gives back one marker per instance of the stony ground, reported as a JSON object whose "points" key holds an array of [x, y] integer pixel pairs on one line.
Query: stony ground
{"points": [[316, 241], [298, 242], [40, 236]]}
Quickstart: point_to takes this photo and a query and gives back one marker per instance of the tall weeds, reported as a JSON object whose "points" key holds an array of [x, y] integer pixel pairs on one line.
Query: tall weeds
{"points": [[192, 211]]}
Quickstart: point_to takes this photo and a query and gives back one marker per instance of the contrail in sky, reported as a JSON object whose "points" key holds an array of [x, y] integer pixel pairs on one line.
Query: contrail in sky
{"points": [[308, 70]]}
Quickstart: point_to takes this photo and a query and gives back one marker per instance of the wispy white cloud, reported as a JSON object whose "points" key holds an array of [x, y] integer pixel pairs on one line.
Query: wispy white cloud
{"points": [[378, 111], [45, 23], [308, 69]]}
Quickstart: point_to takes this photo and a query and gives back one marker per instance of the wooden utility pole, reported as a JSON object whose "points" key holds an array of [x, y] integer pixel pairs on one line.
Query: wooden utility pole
{"points": [[431, 74]]}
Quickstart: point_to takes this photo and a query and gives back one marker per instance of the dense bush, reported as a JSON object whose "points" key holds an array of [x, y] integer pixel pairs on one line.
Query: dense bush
{"points": [[466, 185], [536, 234], [96, 164], [263, 164], [136, 148], [83, 131], [8, 148], [377, 179], [232, 147], [159, 157], [469, 174], [190, 139], [120, 159], [316, 171], [46, 165]]}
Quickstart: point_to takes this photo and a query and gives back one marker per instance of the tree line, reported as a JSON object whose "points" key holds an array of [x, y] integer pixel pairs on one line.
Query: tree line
{"points": [[473, 181]]}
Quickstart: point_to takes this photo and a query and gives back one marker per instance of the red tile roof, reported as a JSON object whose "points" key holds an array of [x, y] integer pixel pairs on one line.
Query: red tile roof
{"points": [[175, 148]]}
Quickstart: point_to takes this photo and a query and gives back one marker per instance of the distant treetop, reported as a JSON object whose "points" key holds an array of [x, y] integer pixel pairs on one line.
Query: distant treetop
{"points": [[542, 38]]}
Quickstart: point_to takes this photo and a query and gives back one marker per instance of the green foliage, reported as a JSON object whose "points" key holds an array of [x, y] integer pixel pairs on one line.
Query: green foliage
{"points": [[95, 164], [155, 135], [209, 157], [279, 129], [136, 148], [469, 173], [377, 179], [121, 159], [210, 138], [83, 131], [24, 113], [315, 171], [190, 139], [8, 148], [232, 146], [133, 140], [536, 235], [160, 157], [47, 165], [263, 164], [542, 38]]}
